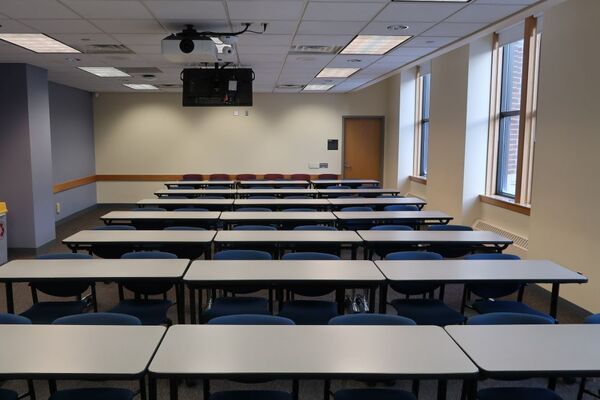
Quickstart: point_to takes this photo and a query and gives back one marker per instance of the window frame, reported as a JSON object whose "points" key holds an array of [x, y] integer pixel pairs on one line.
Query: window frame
{"points": [[422, 125]]}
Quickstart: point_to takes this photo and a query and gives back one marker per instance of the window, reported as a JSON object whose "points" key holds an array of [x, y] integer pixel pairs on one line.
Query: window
{"points": [[422, 125]]}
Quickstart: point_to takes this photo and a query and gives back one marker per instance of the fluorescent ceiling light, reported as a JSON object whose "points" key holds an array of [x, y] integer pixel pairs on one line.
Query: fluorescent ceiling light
{"points": [[373, 44], [314, 87], [37, 42], [140, 86], [105, 72], [336, 72]]}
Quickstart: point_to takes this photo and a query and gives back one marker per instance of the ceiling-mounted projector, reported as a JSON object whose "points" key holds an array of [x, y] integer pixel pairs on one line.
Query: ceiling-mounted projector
{"points": [[191, 46]]}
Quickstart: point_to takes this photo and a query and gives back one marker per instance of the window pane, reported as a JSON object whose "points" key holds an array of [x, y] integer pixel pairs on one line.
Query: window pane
{"points": [[512, 71], [508, 148], [424, 148], [425, 105]]}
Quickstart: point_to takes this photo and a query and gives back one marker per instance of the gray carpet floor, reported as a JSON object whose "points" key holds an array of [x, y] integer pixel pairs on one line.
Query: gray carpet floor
{"points": [[309, 389]]}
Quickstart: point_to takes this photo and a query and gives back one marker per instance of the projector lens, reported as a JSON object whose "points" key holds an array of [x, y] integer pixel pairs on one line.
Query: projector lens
{"points": [[186, 45]]}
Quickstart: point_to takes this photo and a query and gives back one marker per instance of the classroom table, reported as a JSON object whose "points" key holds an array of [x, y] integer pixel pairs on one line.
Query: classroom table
{"points": [[273, 183], [281, 240], [357, 192], [388, 217], [199, 184], [527, 351], [139, 239], [211, 204], [95, 270], [276, 192], [283, 274], [482, 271], [308, 352], [423, 238], [165, 217], [381, 202], [280, 204], [320, 183], [82, 352], [281, 218], [194, 193]]}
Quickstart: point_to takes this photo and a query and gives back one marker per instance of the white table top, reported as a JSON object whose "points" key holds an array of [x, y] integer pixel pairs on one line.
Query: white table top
{"points": [[461, 237], [186, 202], [277, 191], [184, 192], [282, 182], [277, 216], [358, 191], [287, 237], [161, 215], [531, 349], [388, 215], [318, 351], [283, 271], [281, 202], [96, 269], [158, 236], [65, 351], [197, 183], [458, 271], [342, 181], [387, 201]]}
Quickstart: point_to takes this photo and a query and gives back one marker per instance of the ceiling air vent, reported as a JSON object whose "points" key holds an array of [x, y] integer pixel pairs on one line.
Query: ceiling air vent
{"points": [[314, 49], [290, 86], [107, 49]]}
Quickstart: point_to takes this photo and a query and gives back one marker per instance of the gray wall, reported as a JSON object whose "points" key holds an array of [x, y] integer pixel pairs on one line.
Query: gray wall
{"points": [[71, 121]]}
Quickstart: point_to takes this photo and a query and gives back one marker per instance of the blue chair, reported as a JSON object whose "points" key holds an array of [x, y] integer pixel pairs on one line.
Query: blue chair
{"points": [[297, 197], [370, 319], [590, 319], [250, 319], [254, 209], [149, 209], [13, 319], [315, 228], [262, 197], [111, 250], [401, 207], [213, 196], [382, 250], [183, 251], [488, 292], [253, 228], [192, 209], [424, 311], [44, 312], [148, 311], [223, 306], [373, 394], [299, 209], [339, 187], [100, 318], [358, 224], [149, 225], [309, 312], [513, 393], [450, 250], [326, 248]]}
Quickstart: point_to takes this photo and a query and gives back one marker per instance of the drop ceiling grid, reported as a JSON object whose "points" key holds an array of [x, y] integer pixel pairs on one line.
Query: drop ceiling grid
{"points": [[140, 24]]}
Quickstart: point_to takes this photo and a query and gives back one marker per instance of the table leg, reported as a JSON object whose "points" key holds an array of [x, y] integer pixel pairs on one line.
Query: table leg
{"points": [[383, 298], [554, 300], [10, 302], [339, 298], [180, 303], [353, 249], [52, 386], [173, 389], [372, 291], [206, 389], [442, 389], [552, 383], [152, 395], [192, 304], [295, 389], [143, 388], [326, 389], [30, 389]]}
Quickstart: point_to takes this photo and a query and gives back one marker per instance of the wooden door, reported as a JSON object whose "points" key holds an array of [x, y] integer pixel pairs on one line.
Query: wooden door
{"points": [[363, 146]]}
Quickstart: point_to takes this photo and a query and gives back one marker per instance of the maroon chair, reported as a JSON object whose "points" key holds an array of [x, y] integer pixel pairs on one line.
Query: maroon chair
{"points": [[300, 177], [273, 177], [328, 176], [193, 177], [218, 177], [245, 177]]}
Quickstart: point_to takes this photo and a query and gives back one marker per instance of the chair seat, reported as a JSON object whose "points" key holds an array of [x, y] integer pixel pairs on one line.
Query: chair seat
{"points": [[520, 393], [373, 394], [6, 394], [150, 312], [487, 306], [46, 312], [309, 312], [251, 395], [236, 305], [428, 312], [93, 394]]}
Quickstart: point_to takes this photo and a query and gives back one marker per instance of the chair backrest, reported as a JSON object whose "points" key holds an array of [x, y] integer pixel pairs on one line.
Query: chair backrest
{"points": [[315, 228], [183, 228], [357, 208], [189, 209], [64, 256], [242, 255], [299, 209], [114, 228], [492, 256], [297, 197], [338, 187], [496, 289], [309, 255], [148, 288], [505, 318], [101, 318], [261, 197], [173, 197], [401, 207], [62, 289], [273, 177], [414, 288], [413, 255], [149, 209], [148, 255], [254, 228], [218, 177], [391, 228], [254, 209], [250, 319], [182, 187], [300, 177], [193, 177], [245, 177], [328, 176], [13, 319], [449, 228], [214, 197], [371, 319], [592, 319]]}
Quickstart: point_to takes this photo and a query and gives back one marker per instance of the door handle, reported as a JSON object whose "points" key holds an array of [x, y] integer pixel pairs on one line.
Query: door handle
{"points": [[346, 165]]}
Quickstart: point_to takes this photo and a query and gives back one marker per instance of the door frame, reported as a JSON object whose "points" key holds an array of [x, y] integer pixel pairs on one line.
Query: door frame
{"points": [[381, 144]]}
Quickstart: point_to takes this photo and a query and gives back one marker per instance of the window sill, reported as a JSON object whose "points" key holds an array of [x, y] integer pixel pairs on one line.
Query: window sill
{"points": [[418, 179], [506, 203]]}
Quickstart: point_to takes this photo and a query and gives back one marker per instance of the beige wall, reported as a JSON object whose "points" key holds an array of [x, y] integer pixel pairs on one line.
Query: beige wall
{"points": [[152, 134]]}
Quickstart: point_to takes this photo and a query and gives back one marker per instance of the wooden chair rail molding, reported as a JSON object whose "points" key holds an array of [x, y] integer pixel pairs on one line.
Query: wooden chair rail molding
{"points": [[505, 203]]}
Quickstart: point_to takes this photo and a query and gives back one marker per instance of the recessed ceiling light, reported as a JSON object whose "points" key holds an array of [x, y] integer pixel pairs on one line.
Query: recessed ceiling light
{"points": [[354, 60], [336, 72], [373, 44], [72, 59], [315, 87], [397, 27], [37, 42], [105, 72], [140, 86]]}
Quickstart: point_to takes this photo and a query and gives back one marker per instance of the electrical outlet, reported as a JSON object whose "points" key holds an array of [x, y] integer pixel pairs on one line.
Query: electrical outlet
{"points": [[323, 165], [236, 113], [313, 165], [58, 208]]}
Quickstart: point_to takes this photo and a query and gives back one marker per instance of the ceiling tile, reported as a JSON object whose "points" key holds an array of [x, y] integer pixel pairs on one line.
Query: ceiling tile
{"points": [[12, 26], [267, 58], [518, 2], [412, 51], [418, 12], [381, 28], [121, 9], [273, 28], [139, 38], [251, 39], [35, 9], [330, 28], [352, 61], [263, 50], [484, 13], [79, 40], [146, 48], [128, 26], [331, 11], [169, 9], [323, 40], [61, 25], [264, 9], [454, 29], [430, 41]]}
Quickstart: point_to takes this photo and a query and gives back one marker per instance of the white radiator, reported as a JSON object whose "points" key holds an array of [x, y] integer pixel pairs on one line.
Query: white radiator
{"points": [[520, 243]]}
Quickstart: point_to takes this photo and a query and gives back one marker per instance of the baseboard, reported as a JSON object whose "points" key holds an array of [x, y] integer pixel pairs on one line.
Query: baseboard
{"points": [[76, 214]]}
